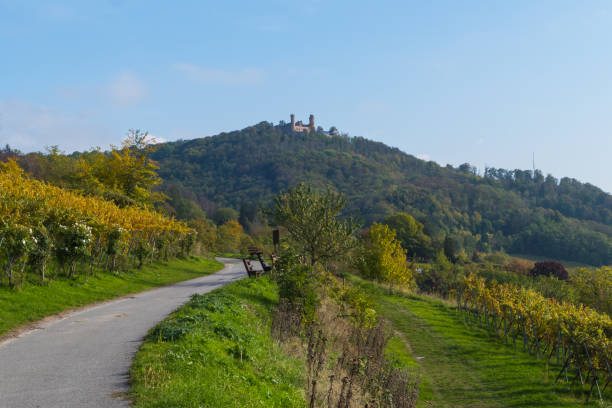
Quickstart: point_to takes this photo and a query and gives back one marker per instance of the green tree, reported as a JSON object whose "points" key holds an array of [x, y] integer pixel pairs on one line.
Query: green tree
{"points": [[410, 234], [449, 249], [225, 214], [314, 223]]}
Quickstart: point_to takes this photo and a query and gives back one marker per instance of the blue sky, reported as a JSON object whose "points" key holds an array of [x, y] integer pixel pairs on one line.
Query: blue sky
{"points": [[486, 82]]}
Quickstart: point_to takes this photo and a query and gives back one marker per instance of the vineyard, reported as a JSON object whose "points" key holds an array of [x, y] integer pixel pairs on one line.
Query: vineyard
{"points": [[576, 337], [43, 225]]}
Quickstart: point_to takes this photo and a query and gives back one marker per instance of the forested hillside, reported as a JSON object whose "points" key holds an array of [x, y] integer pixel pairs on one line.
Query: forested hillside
{"points": [[517, 211]]}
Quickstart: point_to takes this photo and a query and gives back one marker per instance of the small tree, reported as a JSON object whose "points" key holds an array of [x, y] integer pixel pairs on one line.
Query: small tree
{"points": [[313, 221], [130, 171], [16, 241], [187, 243], [113, 246], [41, 251], [383, 258]]}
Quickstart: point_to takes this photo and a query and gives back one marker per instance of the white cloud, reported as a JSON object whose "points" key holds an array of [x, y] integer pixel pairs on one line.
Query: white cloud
{"points": [[156, 139], [127, 89], [245, 76], [31, 127], [423, 156]]}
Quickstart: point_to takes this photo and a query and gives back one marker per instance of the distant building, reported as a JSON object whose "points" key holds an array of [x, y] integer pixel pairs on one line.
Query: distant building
{"points": [[300, 127]]}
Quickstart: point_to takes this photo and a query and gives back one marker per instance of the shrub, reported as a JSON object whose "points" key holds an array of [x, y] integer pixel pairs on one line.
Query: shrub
{"points": [[519, 267], [299, 287], [594, 287], [169, 331], [440, 277], [142, 251], [72, 245], [550, 268]]}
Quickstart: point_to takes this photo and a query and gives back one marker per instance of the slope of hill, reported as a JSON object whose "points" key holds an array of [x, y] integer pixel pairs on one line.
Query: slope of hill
{"points": [[512, 210]]}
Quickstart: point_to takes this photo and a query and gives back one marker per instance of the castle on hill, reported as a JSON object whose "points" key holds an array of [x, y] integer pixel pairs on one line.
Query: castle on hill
{"points": [[310, 127], [300, 127]]}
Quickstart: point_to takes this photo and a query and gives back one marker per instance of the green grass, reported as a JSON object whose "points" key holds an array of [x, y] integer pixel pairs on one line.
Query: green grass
{"points": [[33, 302], [216, 351], [461, 365], [234, 255]]}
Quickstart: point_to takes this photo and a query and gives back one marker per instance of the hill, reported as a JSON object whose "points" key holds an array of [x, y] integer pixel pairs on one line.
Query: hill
{"points": [[517, 211]]}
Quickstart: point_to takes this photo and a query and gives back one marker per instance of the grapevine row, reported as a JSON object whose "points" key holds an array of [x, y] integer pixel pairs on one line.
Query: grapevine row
{"points": [[577, 336], [40, 222]]}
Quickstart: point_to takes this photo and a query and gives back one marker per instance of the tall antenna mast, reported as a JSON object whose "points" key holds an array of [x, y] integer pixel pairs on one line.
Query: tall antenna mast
{"points": [[534, 163]]}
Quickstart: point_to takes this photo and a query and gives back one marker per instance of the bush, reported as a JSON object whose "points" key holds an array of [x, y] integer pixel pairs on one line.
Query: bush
{"points": [[552, 288], [72, 244], [299, 287], [519, 267], [142, 251], [169, 331], [550, 268], [594, 288], [440, 277]]}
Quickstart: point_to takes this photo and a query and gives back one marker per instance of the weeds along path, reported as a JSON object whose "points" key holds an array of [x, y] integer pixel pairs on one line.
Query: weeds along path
{"points": [[461, 366], [83, 359]]}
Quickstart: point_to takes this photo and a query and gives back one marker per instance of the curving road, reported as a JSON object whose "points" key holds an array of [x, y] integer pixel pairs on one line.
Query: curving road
{"points": [[83, 360]]}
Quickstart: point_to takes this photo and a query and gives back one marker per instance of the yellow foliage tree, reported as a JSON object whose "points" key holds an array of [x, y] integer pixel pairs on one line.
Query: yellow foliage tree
{"points": [[383, 258], [130, 171], [229, 236]]}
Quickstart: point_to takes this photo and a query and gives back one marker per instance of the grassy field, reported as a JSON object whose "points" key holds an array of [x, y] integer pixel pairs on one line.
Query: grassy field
{"points": [[33, 302], [216, 351], [462, 366]]}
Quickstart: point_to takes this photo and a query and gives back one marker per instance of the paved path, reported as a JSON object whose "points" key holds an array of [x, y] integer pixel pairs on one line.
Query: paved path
{"points": [[83, 360]]}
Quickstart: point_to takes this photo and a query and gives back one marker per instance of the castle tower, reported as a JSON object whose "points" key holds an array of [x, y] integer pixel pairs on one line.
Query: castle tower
{"points": [[292, 122], [311, 123]]}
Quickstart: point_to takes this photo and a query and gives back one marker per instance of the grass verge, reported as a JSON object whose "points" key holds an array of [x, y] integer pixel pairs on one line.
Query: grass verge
{"points": [[461, 365], [34, 302], [216, 351]]}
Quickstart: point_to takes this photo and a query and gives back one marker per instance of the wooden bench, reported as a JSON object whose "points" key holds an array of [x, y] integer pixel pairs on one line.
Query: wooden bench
{"points": [[249, 268], [266, 266], [254, 251]]}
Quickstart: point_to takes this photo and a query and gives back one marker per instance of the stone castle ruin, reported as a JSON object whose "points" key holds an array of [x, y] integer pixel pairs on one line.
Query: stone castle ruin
{"points": [[300, 127]]}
